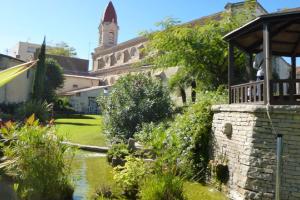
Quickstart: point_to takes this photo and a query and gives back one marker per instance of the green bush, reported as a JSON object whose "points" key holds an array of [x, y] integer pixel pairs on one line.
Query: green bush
{"points": [[162, 187], [182, 145], [42, 110], [129, 176], [135, 99], [36, 160], [54, 79], [118, 151]]}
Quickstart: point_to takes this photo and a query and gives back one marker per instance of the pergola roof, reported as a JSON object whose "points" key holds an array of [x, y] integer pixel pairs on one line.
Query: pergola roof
{"points": [[284, 33]]}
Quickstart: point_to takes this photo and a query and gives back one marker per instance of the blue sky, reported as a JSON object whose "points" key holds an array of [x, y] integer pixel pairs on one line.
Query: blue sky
{"points": [[76, 21]]}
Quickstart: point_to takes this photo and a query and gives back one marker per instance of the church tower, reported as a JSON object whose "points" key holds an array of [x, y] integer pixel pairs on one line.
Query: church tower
{"points": [[108, 28]]}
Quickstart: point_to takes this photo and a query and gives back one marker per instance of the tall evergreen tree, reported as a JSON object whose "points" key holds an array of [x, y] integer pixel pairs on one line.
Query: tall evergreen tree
{"points": [[40, 73]]}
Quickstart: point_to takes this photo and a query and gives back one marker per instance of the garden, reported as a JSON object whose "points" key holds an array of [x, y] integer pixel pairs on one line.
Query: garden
{"points": [[158, 149]]}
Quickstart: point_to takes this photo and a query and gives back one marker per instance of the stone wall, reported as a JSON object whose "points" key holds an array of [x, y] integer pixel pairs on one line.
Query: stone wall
{"points": [[251, 149]]}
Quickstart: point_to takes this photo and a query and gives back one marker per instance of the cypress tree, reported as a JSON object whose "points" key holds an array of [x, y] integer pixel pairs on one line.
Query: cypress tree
{"points": [[40, 74]]}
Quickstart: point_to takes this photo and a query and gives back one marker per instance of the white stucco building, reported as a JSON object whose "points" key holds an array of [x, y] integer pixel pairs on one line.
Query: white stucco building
{"points": [[85, 100], [20, 88]]}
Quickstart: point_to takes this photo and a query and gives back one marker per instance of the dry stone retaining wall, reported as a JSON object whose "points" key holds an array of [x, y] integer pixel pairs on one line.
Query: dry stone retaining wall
{"points": [[251, 149]]}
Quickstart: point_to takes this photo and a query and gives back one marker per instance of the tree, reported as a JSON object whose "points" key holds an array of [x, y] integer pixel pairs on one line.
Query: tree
{"points": [[62, 49], [135, 99], [48, 77], [40, 73], [199, 51], [54, 79]]}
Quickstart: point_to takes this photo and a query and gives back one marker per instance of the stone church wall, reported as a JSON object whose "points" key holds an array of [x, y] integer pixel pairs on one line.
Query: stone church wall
{"points": [[251, 149]]}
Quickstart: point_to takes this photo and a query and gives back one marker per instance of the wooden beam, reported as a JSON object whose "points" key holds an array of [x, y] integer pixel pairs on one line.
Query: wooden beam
{"points": [[292, 31], [230, 68], [283, 42], [294, 51], [293, 65], [272, 35], [267, 62]]}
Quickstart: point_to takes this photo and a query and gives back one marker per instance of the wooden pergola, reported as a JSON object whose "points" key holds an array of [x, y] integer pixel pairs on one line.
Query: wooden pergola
{"points": [[273, 34]]}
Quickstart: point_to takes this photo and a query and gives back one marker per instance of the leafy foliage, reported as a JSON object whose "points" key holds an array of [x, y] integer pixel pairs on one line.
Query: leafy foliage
{"points": [[40, 74], [162, 187], [42, 110], [36, 159], [54, 79], [118, 151], [62, 49], [135, 99], [199, 50], [130, 175], [182, 145]]}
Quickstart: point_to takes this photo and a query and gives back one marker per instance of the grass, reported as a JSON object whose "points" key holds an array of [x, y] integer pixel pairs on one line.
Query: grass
{"points": [[82, 129], [197, 191]]}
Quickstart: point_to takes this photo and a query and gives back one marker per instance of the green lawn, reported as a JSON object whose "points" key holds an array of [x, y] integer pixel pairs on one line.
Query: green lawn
{"points": [[82, 129], [196, 191]]}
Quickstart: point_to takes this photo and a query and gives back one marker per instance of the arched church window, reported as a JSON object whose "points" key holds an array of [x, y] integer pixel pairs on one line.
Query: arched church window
{"points": [[106, 59], [119, 55], [141, 51], [111, 38], [126, 56], [112, 60], [112, 80], [133, 52], [101, 63]]}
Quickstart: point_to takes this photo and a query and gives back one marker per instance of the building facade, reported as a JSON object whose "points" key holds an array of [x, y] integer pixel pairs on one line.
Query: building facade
{"points": [[112, 60], [20, 88]]}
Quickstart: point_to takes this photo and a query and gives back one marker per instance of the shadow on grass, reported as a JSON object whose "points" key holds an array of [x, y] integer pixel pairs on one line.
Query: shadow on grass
{"points": [[75, 116], [76, 123]]}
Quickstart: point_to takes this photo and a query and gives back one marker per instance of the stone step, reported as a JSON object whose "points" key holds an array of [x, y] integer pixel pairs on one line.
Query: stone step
{"points": [[90, 148]]}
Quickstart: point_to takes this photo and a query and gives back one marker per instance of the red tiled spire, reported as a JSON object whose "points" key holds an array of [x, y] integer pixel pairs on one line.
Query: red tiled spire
{"points": [[110, 14]]}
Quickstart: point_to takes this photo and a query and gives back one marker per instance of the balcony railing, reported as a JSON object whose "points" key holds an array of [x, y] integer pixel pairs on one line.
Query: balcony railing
{"points": [[285, 92], [282, 92], [247, 93]]}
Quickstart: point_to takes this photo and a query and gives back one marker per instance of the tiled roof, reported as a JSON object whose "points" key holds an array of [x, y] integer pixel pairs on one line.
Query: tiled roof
{"points": [[85, 77], [72, 65], [73, 92], [298, 70]]}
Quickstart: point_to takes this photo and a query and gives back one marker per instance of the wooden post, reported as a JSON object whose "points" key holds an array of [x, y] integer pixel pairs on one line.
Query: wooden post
{"points": [[267, 63], [249, 67], [230, 68], [293, 79]]}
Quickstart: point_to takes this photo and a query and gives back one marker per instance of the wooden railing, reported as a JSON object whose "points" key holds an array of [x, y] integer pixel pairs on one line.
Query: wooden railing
{"points": [[282, 92], [285, 92], [247, 93]]}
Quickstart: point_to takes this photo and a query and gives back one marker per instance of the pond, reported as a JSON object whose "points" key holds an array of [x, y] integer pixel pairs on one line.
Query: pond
{"points": [[91, 171], [6, 189]]}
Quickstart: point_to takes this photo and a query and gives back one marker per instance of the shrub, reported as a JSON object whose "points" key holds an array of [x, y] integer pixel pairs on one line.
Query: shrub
{"points": [[219, 171], [162, 187], [117, 151], [36, 160], [182, 145], [42, 110], [135, 99], [103, 192], [54, 79], [130, 175]]}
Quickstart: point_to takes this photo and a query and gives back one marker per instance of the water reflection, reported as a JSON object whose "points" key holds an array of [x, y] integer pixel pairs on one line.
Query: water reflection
{"points": [[82, 185]]}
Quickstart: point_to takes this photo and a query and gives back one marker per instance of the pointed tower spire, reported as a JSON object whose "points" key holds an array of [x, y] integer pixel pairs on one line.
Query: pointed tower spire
{"points": [[110, 14], [108, 29]]}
